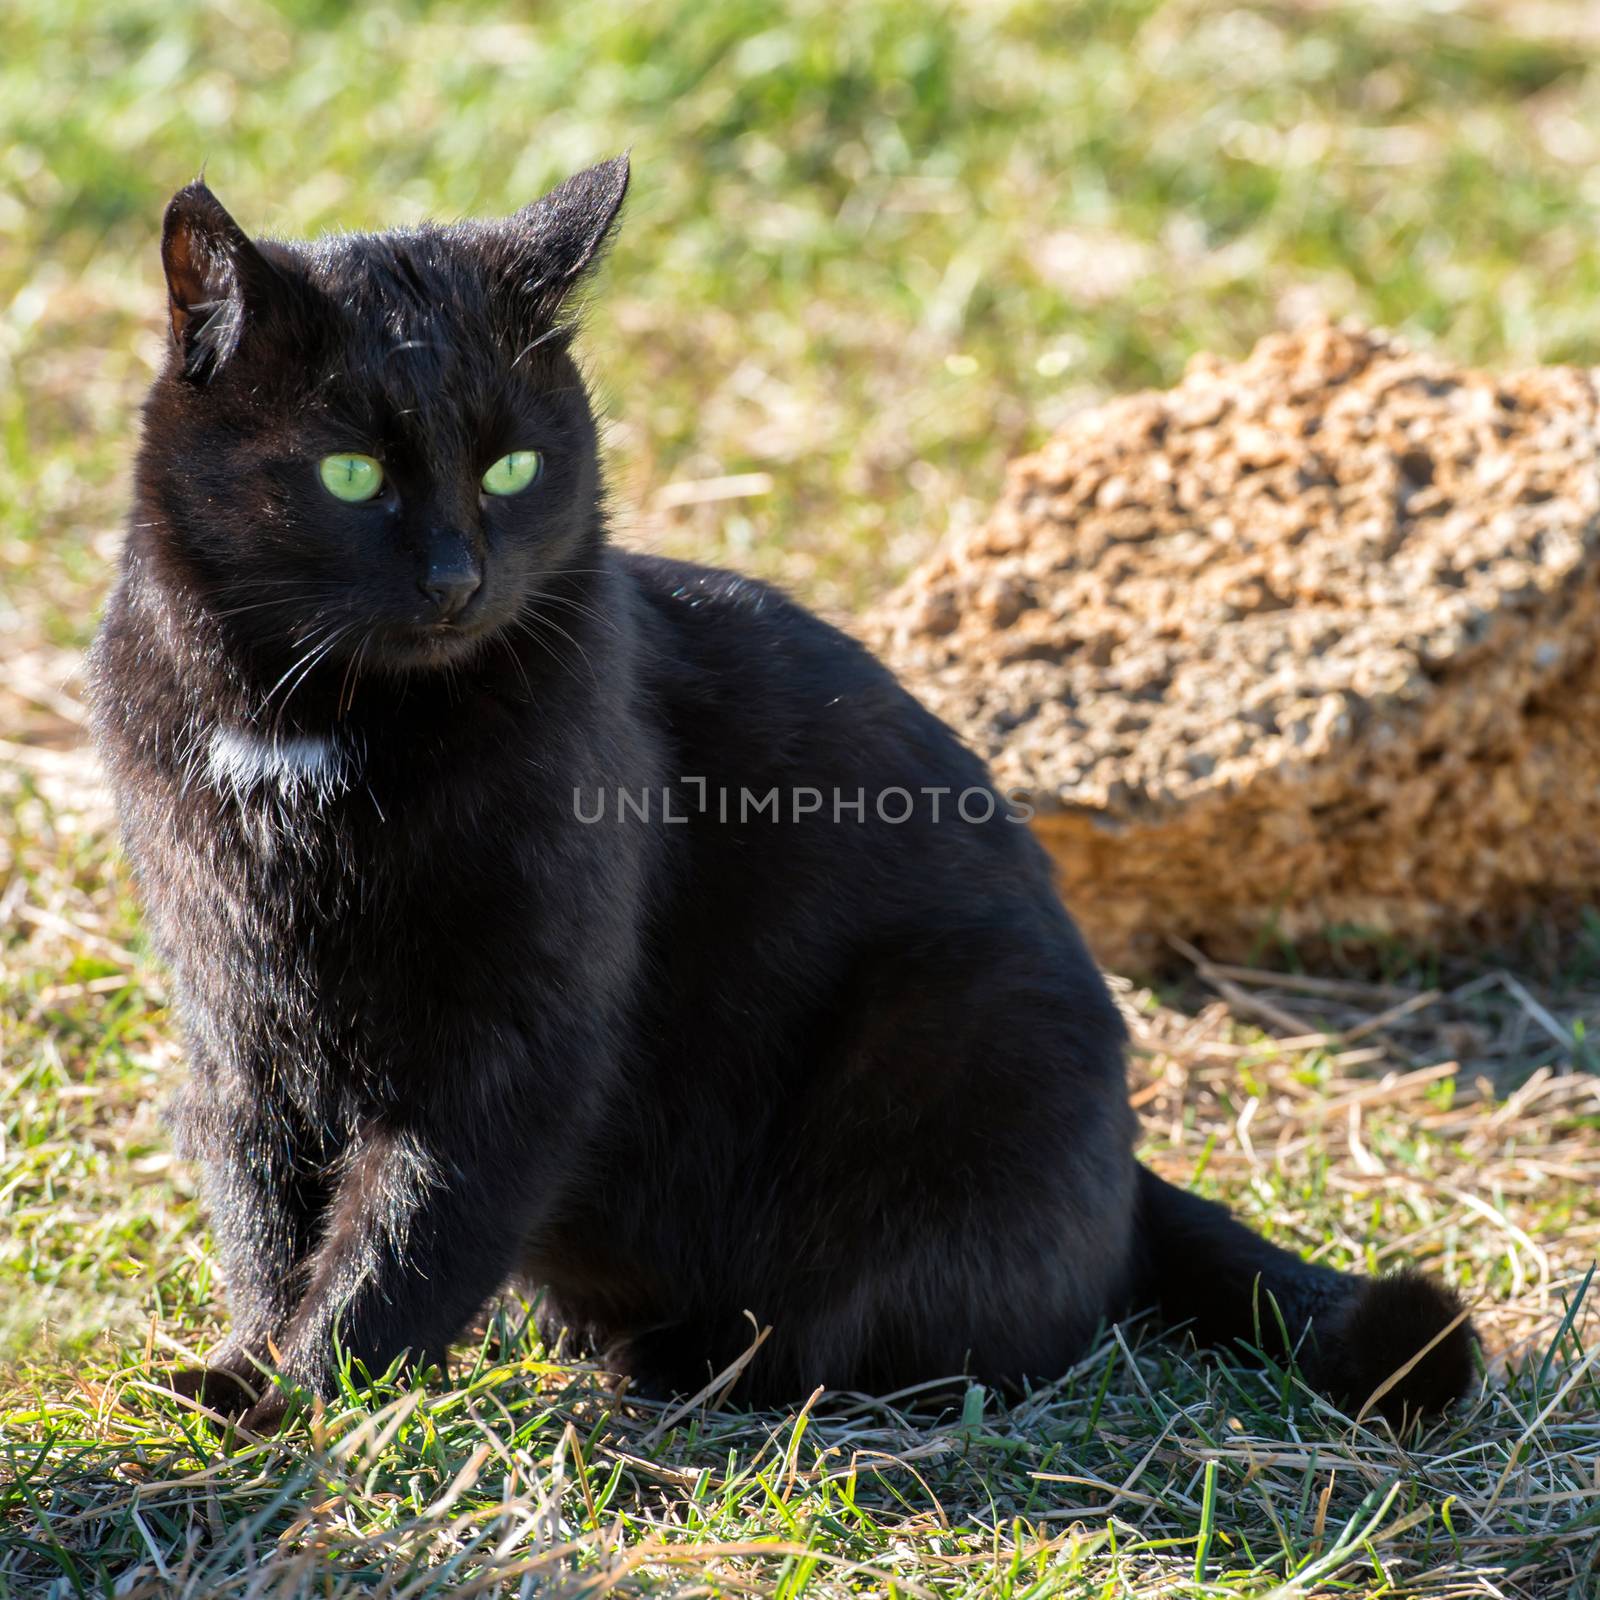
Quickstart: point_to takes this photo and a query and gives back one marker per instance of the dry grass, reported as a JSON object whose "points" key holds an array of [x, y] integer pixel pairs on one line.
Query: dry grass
{"points": [[1447, 1121], [874, 251]]}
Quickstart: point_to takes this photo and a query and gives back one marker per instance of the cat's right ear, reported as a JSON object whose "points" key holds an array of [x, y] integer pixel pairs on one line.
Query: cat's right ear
{"points": [[214, 277]]}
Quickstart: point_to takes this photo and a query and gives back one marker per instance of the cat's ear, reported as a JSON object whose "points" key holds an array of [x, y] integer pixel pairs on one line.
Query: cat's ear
{"points": [[557, 239], [215, 278]]}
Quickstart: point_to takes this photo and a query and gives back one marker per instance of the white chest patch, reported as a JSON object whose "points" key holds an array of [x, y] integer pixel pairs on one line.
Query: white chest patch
{"points": [[245, 762]]}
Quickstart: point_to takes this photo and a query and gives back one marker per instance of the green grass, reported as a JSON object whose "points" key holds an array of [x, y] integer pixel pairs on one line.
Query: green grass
{"points": [[1097, 1485], [1145, 1470], [873, 250]]}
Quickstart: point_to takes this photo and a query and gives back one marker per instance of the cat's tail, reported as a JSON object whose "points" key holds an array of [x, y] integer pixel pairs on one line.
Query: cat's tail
{"points": [[1398, 1346]]}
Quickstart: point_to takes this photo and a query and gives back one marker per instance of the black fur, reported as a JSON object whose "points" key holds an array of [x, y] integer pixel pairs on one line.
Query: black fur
{"points": [[854, 1078], [1202, 1267]]}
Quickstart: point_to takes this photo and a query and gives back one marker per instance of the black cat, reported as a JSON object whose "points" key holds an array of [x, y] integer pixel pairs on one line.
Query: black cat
{"points": [[541, 910]]}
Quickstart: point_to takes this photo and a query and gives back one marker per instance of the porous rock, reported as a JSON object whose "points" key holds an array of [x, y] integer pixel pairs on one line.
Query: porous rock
{"points": [[1307, 644]]}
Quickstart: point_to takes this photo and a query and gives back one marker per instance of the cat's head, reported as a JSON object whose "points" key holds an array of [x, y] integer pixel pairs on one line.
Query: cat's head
{"points": [[377, 441]]}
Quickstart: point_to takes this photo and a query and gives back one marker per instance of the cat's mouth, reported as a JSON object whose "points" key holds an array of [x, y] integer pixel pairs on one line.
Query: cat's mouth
{"points": [[418, 646]]}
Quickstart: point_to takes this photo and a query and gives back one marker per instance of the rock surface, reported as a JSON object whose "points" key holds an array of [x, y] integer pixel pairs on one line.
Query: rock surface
{"points": [[1307, 643]]}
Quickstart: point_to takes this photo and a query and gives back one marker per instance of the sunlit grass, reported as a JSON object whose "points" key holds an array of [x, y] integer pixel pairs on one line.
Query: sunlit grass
{"points": [[873, 250]]}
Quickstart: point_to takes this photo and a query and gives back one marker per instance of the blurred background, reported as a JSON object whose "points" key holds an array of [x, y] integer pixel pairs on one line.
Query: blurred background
{"points": [[872, 249]]}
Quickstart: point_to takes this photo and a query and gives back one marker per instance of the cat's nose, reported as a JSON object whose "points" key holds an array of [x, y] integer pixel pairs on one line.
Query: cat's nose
{"points": [[449, 585]]}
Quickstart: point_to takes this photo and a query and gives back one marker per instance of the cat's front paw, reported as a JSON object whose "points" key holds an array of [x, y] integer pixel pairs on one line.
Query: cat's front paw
{"points": [[255, 1402], [217, 1387], [232, 1380], [267, 1414]]}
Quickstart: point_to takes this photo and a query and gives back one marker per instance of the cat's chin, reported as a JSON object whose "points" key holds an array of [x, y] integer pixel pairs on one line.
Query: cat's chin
{"points": [[433, 648]]}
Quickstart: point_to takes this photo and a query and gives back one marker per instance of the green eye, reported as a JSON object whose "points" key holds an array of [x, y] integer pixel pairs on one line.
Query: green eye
{"points": [[352, 478], [513, 473]]}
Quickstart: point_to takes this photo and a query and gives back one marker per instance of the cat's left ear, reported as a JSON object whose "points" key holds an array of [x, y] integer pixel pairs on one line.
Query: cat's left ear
{"points": [[557, 239]]}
